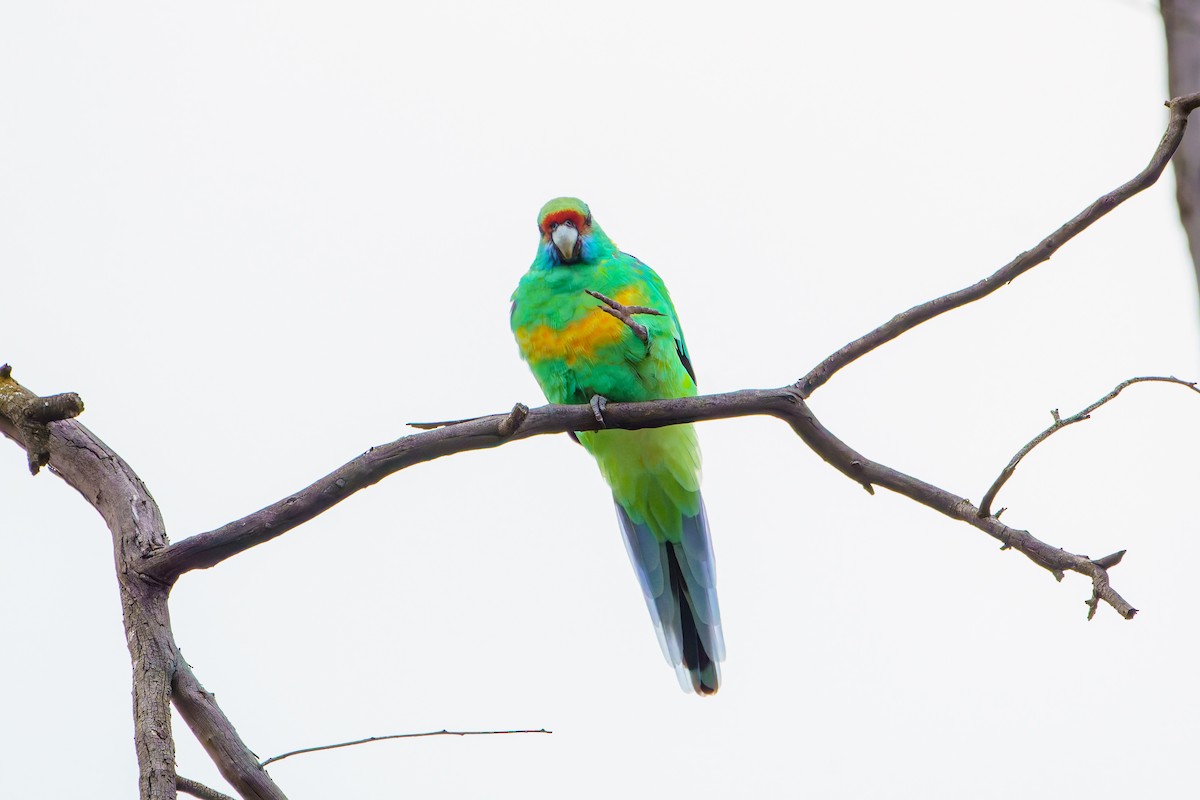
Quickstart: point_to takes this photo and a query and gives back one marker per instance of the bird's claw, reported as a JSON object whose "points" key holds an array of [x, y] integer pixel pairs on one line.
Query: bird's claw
{"points": [[598, 403], [625, 314]]}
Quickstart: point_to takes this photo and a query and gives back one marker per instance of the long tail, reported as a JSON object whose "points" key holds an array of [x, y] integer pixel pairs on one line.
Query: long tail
{"points": [[679, 582]]}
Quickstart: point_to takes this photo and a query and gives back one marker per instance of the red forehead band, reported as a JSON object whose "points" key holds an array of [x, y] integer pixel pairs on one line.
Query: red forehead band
{"points": [[559, 217]]}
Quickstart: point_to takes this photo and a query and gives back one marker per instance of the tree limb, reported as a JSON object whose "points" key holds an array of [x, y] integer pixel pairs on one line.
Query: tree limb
{"points": [[112, 487], [136, 525], [197, 789], [208, 549], [985, 506], [1180, 108], [237, 764]]}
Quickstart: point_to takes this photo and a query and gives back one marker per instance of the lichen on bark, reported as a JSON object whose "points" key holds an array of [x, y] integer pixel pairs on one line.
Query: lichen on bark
{"points": [[32, 415]]}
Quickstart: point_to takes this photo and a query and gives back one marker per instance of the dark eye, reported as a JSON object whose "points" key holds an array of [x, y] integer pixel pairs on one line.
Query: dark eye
{"points": [[568, 223], [553, 226]]}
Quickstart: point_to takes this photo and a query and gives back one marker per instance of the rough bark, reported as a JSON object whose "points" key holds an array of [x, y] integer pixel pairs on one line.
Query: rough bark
{"points": [[124, 503], [221, 741], [133, 518], [197, 789]]}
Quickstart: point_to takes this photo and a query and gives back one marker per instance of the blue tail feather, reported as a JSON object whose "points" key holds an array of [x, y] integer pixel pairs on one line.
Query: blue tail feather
{"points": [[678, 581]]}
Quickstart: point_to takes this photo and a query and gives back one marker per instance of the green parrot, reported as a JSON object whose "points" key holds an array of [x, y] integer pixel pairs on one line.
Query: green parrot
{"points": [[596, 324]]}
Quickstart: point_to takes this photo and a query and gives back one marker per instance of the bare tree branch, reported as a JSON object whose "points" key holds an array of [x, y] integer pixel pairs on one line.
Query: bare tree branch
{"points": [[785, 403], [133, 517], [1180, 108], [515, 417], [985, 506], [197, 789], [865, 471], [147, 567], [369, 739], [237, 764], [208, 549]]}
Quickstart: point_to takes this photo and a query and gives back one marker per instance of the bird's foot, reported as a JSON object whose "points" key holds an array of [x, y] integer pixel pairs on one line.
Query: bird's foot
{"points": [[625, 314], [598, 404]]}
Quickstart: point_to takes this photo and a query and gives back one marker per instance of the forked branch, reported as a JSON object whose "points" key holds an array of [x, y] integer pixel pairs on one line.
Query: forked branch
{"points": [[208, 549], [985, 506], [785, 403]]}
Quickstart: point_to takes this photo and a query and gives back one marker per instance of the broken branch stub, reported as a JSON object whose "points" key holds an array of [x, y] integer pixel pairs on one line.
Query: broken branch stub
{"points": [[32, 415]]}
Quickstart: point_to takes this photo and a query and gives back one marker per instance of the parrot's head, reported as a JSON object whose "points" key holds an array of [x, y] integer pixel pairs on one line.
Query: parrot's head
{"points": [[569, 234]]}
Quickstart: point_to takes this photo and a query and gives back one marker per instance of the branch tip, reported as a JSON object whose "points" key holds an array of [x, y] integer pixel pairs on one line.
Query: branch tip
{"points": [[1109, 561], [429, 426], [1060, 423]]}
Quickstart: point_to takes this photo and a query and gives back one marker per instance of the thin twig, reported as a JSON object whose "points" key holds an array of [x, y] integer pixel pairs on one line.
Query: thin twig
{"points": [[282, 756], [428, 426], [197, 789], [1110, 560], [515, 418], [1060, 422]]}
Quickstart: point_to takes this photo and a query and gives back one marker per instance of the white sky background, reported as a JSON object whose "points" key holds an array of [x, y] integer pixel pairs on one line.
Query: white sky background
{"points": [[258, 239]]}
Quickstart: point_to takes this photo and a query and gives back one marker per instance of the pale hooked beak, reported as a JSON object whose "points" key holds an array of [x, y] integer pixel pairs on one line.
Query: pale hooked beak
{"points": [[565, 238]]}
